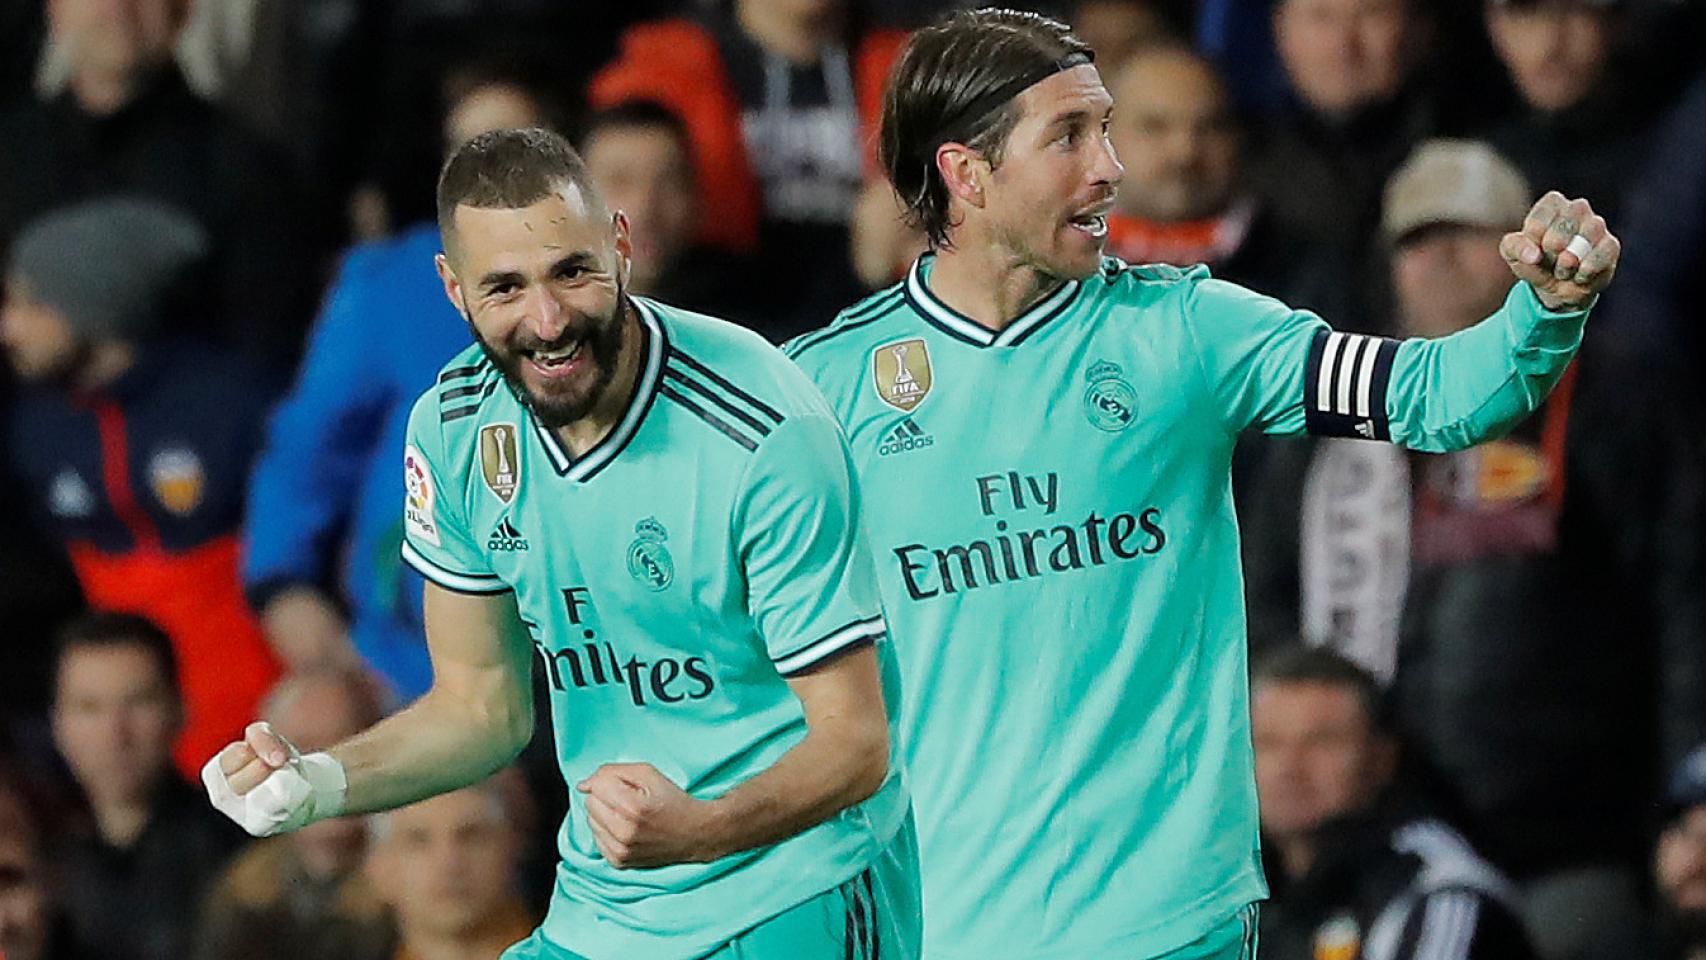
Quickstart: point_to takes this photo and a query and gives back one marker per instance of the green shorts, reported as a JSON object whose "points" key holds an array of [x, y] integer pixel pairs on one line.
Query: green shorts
{"points": [[873, 916], [1235, 939]]}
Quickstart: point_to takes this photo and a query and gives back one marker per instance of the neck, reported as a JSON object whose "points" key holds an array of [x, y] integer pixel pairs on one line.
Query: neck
{"points": [[120, 821], [794, 37], [102, 90], [107, 362], [473, 943], [581, 435], [1297, 855], [988, 284]]}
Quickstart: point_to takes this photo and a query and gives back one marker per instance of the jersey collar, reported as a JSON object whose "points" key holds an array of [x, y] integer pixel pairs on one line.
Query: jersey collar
{"points": [[961, 327], [654, 343]]}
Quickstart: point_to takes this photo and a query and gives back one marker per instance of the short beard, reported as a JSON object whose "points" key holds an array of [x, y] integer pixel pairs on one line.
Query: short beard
{"points": [[603, 340]]}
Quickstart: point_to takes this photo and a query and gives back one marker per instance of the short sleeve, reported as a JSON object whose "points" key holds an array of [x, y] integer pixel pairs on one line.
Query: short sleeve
{"points": [[436, 538], [811, 584]]}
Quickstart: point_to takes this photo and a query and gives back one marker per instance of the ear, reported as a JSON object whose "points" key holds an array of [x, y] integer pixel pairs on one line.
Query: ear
{"points": [[1383, 761], [624, 245], [447, 276], [963, 171]]}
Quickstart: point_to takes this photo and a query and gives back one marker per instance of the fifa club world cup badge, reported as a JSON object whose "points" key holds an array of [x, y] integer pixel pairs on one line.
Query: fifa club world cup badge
{"points": [[902, 374], [648, 559], [500, 466], [1109, 402]]}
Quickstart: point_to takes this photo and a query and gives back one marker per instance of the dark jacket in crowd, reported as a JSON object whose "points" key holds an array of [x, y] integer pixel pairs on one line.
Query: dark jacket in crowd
{"points": [[1551, 656], [143, 483], [1590, 150], [140, 902], [1321, 182], [169, 145], [1392, 887]]}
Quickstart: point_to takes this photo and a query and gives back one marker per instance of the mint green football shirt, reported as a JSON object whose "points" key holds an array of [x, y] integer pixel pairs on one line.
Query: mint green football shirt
{"points": [[670, 578], [1051, 511]]}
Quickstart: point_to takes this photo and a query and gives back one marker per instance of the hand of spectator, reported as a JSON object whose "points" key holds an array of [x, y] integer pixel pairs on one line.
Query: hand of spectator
{"points": [[308, 631], [1564, 250], [268, 787], [640, 818]]}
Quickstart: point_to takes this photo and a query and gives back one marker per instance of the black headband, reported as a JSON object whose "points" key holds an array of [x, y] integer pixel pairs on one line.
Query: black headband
{"points": [[962, 124]]}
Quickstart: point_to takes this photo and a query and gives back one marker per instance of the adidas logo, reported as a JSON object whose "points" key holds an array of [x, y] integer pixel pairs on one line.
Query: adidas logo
{"points": [[1366, 429], [905, 436], [506, 538]]}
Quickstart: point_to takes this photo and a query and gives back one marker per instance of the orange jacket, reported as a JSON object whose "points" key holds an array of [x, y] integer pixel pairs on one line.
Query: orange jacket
{"points": [[677, 64]]}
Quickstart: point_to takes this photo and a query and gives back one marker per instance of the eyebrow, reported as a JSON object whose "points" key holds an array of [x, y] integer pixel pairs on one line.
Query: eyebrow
{"points": [[579, 260]]}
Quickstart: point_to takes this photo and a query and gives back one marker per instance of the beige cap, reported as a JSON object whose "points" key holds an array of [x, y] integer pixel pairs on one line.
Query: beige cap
{"points": [[1454, 181]]}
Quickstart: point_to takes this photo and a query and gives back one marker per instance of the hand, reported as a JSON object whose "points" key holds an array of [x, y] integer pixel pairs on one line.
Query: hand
{"points": [[267, 786], [307, 630], [641, 819], [1537, 253]]}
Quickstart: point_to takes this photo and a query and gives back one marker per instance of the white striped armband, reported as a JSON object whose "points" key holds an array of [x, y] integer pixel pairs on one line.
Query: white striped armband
{"points": [[847, 638], [483, 583], [1345, 385]]}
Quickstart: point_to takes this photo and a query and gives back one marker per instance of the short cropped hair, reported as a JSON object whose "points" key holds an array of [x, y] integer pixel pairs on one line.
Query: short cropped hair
{"points": [[508, 169], [105, 631], [1319, 665], [938, 83]]}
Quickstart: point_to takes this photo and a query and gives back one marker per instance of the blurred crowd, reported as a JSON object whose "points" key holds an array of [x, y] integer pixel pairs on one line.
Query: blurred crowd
{"points": [[1479, 678]]}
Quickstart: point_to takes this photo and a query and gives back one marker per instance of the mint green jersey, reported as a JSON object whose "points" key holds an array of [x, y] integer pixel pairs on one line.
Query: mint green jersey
{"points": [[1051, 511], [670, 578]]}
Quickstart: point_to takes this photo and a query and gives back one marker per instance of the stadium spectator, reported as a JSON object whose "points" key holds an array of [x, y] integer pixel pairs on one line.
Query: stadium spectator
{"points": [[31, 928], [136, 446], [1679, 865], [780, 98], [126, 123], [1184, 200], [135, 867], [305, 894], [641, 160], [1553, 573], [1580, 124], [1364, 871], [447, 868], [1318, 166], [1116, 29], [328, 469]]}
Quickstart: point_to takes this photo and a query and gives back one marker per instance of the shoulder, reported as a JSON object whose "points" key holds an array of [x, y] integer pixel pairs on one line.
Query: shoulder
{"points": [[1148, 280], [451, 406], [728, 376], [852, 331]]}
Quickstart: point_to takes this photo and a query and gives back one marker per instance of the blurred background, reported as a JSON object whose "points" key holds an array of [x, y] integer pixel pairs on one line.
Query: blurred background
{"points": [[1480, 679]]}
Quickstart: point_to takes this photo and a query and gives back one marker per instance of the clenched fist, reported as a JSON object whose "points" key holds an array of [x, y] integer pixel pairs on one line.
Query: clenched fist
{"points": [[1564, 250], [640, 818], [267, 786]]}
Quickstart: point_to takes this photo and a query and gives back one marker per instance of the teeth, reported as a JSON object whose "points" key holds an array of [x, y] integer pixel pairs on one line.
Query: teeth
{"points": [[556, 356]]}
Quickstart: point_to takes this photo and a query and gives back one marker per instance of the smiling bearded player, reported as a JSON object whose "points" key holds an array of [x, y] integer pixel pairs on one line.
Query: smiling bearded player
{"points": [[1044, 439], [661, 506]]}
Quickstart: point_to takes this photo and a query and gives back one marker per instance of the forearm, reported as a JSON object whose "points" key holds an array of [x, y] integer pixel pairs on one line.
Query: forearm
{"points": [[831, 769], [439, 743], [1457, 391]]}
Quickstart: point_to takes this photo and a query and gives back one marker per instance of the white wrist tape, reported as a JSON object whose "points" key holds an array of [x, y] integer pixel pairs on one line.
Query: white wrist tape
{"points": [[306, 789]]}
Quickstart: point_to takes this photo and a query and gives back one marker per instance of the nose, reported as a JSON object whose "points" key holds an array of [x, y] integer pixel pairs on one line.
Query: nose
{"points": [[549, 317], [1106, 168]]}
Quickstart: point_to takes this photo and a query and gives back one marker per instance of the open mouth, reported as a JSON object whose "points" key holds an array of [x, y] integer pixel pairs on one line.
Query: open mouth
{"points": [[559, 362], [1092, 221]]}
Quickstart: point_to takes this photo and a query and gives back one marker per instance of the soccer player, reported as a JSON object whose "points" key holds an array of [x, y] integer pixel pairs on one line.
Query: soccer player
{"points": [[1043, 438], [662, 507]]}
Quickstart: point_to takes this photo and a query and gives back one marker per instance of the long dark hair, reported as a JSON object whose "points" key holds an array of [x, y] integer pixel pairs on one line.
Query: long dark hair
{"points": [[956, 83]]}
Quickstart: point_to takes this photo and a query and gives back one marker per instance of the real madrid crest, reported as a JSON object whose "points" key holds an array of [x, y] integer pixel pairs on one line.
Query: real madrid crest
{"points": [[901, 372], [500, 464], [648, 559], [1109, 401]]}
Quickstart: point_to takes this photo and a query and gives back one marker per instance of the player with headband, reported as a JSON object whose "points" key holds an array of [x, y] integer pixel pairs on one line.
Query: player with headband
{"points": [[1044, 438]]}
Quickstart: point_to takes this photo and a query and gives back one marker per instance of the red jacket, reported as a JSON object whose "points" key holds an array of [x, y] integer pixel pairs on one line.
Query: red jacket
{"points": [[677, 64]]}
